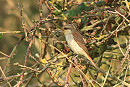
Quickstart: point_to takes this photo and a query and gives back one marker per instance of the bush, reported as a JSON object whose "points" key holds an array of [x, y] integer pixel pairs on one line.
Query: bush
{"points": [[41, 56]]}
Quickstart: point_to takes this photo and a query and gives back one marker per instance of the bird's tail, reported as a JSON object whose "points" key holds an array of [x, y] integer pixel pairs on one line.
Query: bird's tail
{"points": [[91, 61]]}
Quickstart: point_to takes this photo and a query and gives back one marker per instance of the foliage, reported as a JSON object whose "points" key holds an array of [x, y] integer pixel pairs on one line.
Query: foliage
{"points": [[41, 57]]}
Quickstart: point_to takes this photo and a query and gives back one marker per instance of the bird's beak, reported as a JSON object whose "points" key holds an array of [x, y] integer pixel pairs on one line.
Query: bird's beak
{"points": [[67, 26]]}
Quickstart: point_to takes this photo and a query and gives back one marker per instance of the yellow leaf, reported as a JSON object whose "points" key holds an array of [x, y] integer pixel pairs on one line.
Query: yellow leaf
{"points": [[44, 61], [64, 17], [58, 71], [102, 36], [59, 68], [79, 20], [59, 0]]}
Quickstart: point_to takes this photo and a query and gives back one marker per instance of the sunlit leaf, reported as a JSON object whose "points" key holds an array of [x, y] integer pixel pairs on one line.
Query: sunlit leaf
{"points": [[44, 61], [59, 68], [101, 37]]}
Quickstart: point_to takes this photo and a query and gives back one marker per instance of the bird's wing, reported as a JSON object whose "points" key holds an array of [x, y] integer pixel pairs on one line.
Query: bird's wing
{"points": [[78, 38]]}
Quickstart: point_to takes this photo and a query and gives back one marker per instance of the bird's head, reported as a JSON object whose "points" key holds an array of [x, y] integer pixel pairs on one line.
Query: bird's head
{"points": [[67, 29]]}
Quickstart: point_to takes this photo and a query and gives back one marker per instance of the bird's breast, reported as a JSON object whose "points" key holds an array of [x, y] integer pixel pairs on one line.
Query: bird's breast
{"points": [[73, 44]]}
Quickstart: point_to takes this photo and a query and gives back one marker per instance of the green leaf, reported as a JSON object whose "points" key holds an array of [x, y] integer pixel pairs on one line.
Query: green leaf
{"points": [[83, 7], [102, 48], [57, 5], [56, 12], [100, 3], [0, 36], [84, 20], [70, 13]]}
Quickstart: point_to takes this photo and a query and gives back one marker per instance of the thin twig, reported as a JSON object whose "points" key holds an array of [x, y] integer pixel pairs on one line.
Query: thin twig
{"points": [[68, 75], [106, 77], [30, 78], [11, 32], [117, 38], [81, 75], [83, 80], [25, 63], [5, 76], [4, 54], [116, 12], [25, 67]]}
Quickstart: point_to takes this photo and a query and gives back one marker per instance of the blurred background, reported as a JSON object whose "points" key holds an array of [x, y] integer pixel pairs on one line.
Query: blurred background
{"points": [[10, 21], [11, 31]]}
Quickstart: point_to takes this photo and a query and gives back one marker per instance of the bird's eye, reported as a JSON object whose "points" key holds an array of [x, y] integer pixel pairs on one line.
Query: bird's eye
{"points": [[66, 28]]}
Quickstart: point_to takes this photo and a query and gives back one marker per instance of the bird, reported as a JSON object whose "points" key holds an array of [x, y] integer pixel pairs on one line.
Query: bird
{"points": [[76, 43]]}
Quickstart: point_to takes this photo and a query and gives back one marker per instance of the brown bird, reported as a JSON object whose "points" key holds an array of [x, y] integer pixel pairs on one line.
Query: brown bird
{"points": [[77, 44]]}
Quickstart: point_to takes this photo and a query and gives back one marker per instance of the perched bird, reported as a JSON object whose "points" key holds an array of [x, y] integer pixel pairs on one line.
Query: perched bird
{"points": [[76, 43]]}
